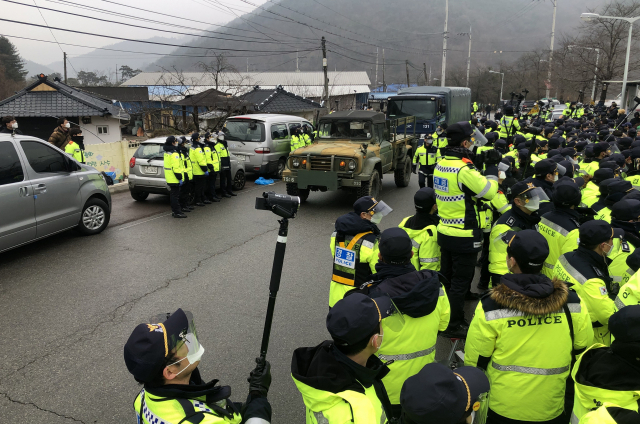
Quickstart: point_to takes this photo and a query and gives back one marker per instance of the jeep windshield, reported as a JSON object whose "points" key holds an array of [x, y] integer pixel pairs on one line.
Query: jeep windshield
{"points": [[244, 130], [344, 129]]}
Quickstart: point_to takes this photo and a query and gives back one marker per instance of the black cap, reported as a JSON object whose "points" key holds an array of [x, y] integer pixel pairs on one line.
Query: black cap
{"points": [[545, 166], [424, 199], [529, 248], [568, 151], [603, 174], [355, 317], [600, 147], [625, 324], [437, 395], [364, 204], [610, 165], [632, 195], [633, 260], [626, 210], [459, 131], [597, 231], [566, 193], [620, 186], [170, 140], [395, 246], [553, 152], [150, 344]]}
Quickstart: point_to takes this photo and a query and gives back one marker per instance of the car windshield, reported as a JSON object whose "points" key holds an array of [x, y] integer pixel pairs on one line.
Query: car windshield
{"points": [[244, 130], [148, 151], [421, 109], [360, 130]]}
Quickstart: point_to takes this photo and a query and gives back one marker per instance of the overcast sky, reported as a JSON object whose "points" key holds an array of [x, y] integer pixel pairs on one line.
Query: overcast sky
{"points": [[207, 11]]}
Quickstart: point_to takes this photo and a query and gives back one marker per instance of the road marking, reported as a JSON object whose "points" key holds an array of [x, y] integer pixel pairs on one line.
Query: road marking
{"points": [[142, 222]]}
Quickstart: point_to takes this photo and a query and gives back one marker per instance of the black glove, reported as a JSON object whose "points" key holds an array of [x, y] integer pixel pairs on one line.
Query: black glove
{"points": [[260, 378], [414, 169], [492, 156]]}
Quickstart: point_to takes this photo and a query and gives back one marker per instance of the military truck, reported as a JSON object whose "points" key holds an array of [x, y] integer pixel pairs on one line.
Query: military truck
{"points": [[352, 151]]}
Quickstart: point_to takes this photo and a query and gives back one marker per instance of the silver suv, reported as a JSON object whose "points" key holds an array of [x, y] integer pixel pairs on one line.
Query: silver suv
{"points": [[43, 191], [146, 173]]}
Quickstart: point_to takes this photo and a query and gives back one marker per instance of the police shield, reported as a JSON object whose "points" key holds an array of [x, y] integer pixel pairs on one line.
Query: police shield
{"points": [[478, 139], [394, 320], [480, 409]]}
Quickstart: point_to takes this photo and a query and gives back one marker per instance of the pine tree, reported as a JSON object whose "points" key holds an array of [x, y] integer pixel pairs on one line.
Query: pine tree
{"points": [[11, 61]]}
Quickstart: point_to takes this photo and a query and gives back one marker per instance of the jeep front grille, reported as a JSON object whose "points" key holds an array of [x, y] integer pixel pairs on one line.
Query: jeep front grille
{"points": [[320, 163]]}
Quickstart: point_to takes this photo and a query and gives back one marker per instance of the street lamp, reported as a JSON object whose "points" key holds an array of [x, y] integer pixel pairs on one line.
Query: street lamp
{"points": [[501, 84], [595, 73], [590, 16]]}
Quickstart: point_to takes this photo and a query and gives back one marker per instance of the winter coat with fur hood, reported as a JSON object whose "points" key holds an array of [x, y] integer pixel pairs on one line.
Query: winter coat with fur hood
{"points": [[520, 334]]}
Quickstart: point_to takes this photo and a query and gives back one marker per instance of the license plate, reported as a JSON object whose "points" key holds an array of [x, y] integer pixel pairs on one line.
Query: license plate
{"points": [[150, 169], [289, 180], [241, 157]]}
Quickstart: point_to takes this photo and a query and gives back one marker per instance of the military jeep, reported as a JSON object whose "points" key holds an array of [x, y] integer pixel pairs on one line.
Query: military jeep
{"points": [[353, 150]]}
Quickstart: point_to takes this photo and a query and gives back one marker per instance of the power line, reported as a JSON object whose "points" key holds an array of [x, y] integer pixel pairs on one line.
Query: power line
{"points": [[143, 27], [54, 37]]}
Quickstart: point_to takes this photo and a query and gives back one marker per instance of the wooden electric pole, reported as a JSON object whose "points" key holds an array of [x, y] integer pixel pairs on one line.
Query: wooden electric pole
{"points": [[424, 68], [384, 86], [406, 64], [325, 94], [64, 59]]}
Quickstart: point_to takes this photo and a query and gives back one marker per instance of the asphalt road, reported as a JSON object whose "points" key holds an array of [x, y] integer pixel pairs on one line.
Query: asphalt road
{"points": [[69, 302]]}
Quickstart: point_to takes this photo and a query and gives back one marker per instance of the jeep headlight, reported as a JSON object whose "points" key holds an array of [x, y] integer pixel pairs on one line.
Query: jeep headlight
{"points": [[352, 165], [295, 162]]}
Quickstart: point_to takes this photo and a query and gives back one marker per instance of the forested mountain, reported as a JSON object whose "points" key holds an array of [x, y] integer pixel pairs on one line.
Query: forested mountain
{"points": [[406, 29]]}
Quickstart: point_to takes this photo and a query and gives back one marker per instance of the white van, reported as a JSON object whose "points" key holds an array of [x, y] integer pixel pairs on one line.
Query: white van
{"points": [[262, 141]]}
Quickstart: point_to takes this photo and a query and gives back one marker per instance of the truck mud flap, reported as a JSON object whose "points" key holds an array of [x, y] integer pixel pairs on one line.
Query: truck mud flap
{"points": [[318, 178]]}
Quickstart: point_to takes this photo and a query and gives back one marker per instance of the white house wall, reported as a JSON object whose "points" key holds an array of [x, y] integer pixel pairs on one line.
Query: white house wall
{"points": [[90, 131]]}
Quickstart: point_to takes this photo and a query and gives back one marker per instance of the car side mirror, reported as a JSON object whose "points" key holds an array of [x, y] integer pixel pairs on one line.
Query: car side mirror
{"points": [[443, 108]]}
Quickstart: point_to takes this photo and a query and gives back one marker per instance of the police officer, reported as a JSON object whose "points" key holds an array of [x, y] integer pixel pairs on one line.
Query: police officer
{"points": [[173, 174], [354, 246], [186, 190], [226, 182], [440, 139], [297, 141], [340, 380], [600, 151], [508, 124], [475, 109], [586, 272], [164, 356], [610, 413], [624, 215], [420, 298], [546, 172], [519, 334], [458, 186], [629, 293], [200, 170], [422, 228], [617, 189], [560, 226], [75, 146], [604, 374], [591, 192], [440, 395], [306, 135], [425, 160], [633, 175], [211, 156], [525, 202]]}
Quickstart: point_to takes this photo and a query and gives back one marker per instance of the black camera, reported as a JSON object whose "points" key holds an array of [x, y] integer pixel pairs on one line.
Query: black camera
{"points": [[281, 204]]}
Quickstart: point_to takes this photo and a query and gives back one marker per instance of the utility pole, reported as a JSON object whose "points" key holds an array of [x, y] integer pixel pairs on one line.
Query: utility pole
{"points": [[297, 62], [116, 74], [429, 74], [65, 66], [406, 64], [424, 68], [444, 43], [384, 86], [325, 94], [469, 57], [248, 63], [376, 84], [553, 33]]}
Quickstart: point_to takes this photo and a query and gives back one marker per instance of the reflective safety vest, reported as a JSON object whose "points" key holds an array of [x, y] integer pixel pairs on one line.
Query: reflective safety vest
{"points": [[151, 409], [216, 159], [426, 251], [497, 246], [590, 194], [73, 149], [349, 406], [635, 181], [413, 346], [562, 237], [223, 152], [458, 186], [172, 167], [307, 139], [588, 396], [610, 413], [198, 161], [186, 165], [208, 157], [296, 142], [527, 357], [590, 168], [604, 214], [629, 293], [508, 126], [355, 264], [590, 285], [425, 155], [619, 271]]}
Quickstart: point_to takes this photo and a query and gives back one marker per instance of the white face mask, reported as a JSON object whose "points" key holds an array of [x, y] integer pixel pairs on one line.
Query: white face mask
{"points": [[191, 357], [14, 125], [376, 218], [533, 204], [610, 250], [555, 177], [67, 125]]}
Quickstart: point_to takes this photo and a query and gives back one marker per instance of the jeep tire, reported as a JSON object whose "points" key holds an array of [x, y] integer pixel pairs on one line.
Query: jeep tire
{"points": [[402, 174], [302, 193], [371, 187]]}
